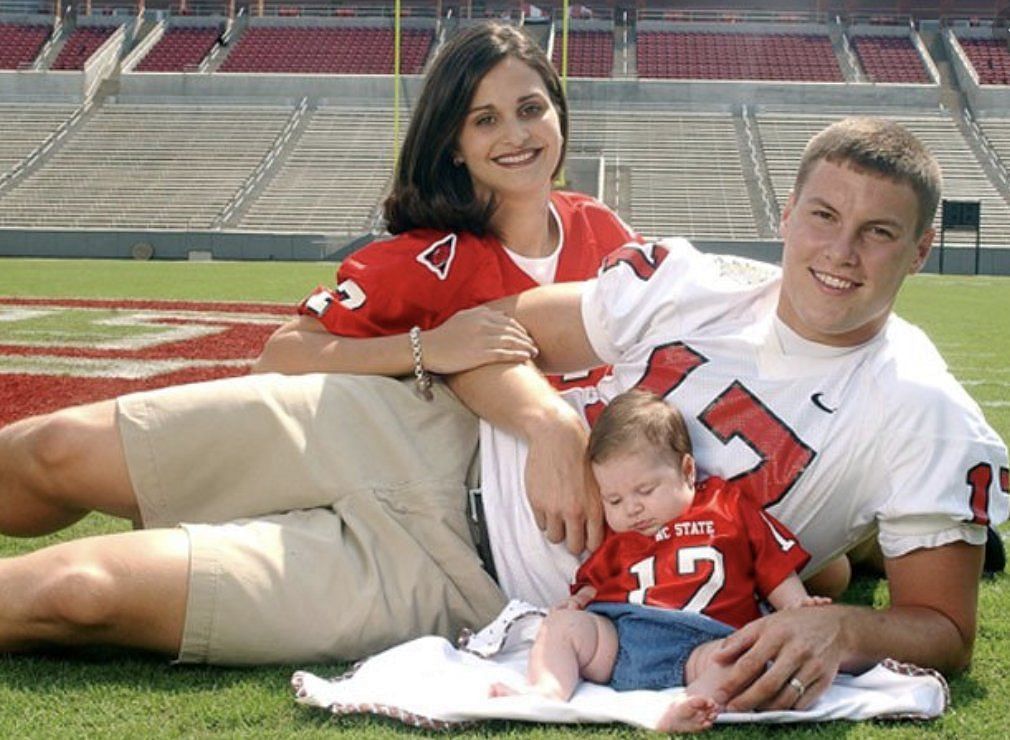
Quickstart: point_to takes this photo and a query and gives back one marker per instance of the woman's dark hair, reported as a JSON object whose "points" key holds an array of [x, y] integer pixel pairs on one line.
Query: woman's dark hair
{"points": [[429, 191]]}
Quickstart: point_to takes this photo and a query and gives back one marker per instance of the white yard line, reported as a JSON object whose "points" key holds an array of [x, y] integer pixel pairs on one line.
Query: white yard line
{"points": [[80, 367]]}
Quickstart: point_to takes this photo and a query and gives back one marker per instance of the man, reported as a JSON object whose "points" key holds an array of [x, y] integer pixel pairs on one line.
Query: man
{"points": [[805, 390]]}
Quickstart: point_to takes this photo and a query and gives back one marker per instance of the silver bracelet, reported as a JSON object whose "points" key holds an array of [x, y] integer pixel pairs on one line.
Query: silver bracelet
{"points": [[422, 380]]}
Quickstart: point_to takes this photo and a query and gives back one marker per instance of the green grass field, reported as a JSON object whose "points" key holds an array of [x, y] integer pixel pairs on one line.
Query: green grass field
{"points": [[99, 694]]}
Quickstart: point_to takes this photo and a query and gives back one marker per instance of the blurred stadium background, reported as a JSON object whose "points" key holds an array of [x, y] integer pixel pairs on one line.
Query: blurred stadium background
{"points": [[266, 129]]}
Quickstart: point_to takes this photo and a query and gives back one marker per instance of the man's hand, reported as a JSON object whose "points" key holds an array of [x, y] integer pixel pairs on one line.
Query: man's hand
{"points": [[784, 660], [789, 658], [559, 482]]}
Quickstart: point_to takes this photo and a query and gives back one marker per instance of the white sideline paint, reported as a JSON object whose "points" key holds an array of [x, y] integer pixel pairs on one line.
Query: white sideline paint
{"points": [[58, 345], [200, 324], [78, 367], [21, 314]]}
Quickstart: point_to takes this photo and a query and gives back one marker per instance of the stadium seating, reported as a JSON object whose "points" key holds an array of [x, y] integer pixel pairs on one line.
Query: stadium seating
{"points": [[326, 50], [178, 166], [784, 135], [20, 44], [996, 130], [156, 166], [175, 154], [333, 179], [590, 53], [736, 56], [990, 58], [679, 173], [890, 59], [179, 49], [82, 43], [26, 127]]}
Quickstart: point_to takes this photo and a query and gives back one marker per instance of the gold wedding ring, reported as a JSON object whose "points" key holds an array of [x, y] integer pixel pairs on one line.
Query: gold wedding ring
{"points": [[798, 685]]}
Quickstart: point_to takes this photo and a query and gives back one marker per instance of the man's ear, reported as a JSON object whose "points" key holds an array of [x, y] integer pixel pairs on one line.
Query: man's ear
{"points": [[787, 210], [922, 248]]}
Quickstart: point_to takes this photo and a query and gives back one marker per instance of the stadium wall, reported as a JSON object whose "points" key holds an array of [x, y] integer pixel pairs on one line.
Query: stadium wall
{"points": [[203, 245], [41, 86], [173, 245], [377, 90]]}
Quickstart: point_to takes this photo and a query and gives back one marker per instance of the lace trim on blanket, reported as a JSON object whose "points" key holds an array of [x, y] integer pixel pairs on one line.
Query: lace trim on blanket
{"points": [[401, 715], [494, 638], [910, 669]]}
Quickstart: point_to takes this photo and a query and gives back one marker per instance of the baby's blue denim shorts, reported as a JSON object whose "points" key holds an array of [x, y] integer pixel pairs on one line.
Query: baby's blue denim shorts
{"points": [[654, 644]]}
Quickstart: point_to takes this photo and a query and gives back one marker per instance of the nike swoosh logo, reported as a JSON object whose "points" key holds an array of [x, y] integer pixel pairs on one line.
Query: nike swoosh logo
{"points": [[816, 399]]}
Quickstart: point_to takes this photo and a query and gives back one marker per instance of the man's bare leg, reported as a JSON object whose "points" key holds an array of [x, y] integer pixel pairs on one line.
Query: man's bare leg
{"points": [[57, 467], [126, 589]]}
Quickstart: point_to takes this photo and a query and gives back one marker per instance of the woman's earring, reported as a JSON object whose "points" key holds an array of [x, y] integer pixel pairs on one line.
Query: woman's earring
{"points": [[457, 160]]}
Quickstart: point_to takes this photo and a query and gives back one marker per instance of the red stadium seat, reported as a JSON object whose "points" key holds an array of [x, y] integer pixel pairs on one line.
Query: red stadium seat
{"points": [[695, 55], [180, 48], [327, 50], [590, 53], [890, 59], [81, 44], [990, 58], [20, 44]]}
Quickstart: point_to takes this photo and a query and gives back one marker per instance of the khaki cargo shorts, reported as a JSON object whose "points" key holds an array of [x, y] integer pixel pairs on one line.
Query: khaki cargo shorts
{"points": [[325, 513]]}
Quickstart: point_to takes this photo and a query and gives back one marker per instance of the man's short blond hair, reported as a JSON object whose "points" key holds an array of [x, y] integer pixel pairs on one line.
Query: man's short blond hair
{"points": [[882, 147]]}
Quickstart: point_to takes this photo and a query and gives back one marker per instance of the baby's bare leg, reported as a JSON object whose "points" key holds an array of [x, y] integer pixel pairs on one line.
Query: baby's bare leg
{"points": [[571, 644], [703, 675], [699, 706]]}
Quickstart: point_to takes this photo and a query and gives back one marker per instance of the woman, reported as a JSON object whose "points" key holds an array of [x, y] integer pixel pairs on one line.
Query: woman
{"points": [[475, 220], [323, 513]]}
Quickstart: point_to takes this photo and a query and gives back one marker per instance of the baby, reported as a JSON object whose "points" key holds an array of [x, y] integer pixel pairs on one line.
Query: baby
{"points": [[681, 568]]}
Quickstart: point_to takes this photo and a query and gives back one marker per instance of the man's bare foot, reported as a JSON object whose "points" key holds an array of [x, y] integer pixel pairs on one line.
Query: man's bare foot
{"points": [[689, 714]]}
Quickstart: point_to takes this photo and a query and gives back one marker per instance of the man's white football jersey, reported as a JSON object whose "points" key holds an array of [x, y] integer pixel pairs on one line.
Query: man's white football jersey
{"points": [[840, 444], [836, 442]]}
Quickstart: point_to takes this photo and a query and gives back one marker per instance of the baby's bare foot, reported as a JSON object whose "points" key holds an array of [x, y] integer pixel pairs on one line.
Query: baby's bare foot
{"points": [[499, 689], [689, 714]]}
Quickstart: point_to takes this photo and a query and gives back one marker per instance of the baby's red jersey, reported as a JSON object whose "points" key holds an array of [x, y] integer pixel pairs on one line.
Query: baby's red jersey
{"points": [[718, 558]]}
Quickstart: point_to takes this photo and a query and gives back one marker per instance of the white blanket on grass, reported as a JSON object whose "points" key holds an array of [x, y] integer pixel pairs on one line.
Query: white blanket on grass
{"points": [[429, 683]]}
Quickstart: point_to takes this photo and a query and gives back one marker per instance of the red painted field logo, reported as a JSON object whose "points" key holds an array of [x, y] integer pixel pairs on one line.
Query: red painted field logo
{"points": [[60, 352]]}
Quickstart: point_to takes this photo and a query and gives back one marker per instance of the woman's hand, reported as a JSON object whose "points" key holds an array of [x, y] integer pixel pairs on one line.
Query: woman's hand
{"points": [[474, 337]]}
